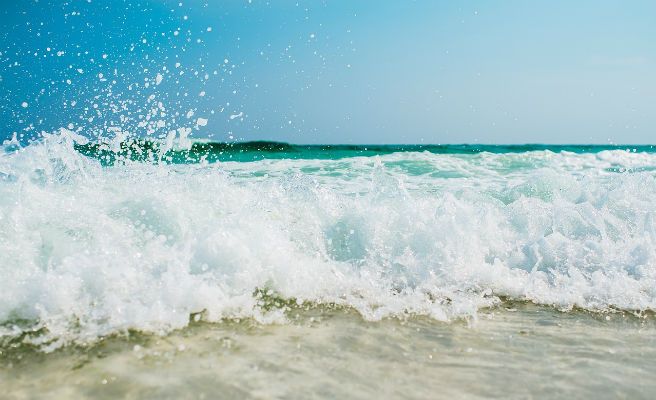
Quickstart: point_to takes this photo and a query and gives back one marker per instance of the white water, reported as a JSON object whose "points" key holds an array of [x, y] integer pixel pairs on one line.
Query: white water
{"points": [[88, 251]]}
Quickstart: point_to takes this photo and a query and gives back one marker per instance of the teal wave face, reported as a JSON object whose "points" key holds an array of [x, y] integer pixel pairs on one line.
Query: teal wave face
{"points": [[146, 150]]}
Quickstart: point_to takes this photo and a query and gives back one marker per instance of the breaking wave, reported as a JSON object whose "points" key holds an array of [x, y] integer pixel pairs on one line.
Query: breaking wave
{"points": [[89, 250]]}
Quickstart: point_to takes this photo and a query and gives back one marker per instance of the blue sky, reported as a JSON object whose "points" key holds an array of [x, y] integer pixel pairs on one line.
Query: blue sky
{"points": [[334, 71]]}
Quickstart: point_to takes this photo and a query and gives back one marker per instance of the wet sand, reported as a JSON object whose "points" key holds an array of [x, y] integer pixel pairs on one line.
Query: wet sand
{"points": [[513, 351]]}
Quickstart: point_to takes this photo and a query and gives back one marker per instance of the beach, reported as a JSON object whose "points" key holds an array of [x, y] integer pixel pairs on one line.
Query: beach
{"points": [[517, 350]]}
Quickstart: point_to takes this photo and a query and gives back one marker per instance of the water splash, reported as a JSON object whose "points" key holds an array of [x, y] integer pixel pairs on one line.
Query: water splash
{"points": [[91, 250]]}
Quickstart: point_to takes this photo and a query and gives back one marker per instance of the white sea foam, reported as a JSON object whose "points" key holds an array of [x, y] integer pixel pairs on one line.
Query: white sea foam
{"points": [[88, 251]]}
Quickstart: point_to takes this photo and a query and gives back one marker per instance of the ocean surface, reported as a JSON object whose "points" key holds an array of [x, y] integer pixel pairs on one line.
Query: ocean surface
{"points": [[439, 270]]}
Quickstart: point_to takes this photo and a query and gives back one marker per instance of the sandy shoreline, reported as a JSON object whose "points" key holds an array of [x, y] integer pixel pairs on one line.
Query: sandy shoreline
{"points": [[520, 352]]}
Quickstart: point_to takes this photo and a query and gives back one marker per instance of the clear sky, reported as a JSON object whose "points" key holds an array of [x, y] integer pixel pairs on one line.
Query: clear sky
{"points": [[334, 71]]}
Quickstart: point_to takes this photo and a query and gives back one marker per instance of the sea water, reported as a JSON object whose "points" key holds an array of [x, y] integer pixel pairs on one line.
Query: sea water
{"points": [[153, 269]]}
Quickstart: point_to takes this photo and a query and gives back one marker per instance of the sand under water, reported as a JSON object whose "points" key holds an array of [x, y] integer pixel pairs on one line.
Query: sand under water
{"points": [[517, 350]]}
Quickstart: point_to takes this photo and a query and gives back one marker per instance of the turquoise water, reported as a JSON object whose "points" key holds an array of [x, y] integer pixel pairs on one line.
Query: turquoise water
{"points": [[253, 151]]}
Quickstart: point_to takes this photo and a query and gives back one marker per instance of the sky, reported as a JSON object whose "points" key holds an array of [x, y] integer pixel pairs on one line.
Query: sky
{"points": [[346, 71]]}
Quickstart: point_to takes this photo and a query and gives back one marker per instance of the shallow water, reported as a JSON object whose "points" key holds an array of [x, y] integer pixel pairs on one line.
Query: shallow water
{"points": [[520, 352]]}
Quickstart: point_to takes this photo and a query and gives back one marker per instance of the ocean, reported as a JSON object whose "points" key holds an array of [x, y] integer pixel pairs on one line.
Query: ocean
{"points": [[154, 269]]}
